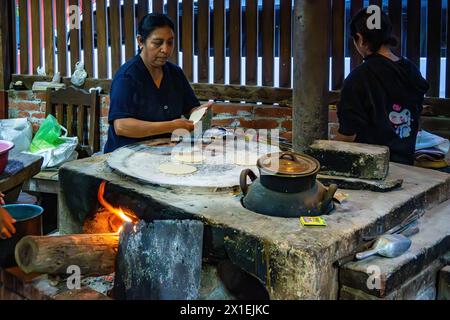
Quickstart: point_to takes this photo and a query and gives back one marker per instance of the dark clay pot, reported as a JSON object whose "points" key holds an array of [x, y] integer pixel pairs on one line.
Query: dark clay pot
{"points": [[291, 190], [29, 222]]}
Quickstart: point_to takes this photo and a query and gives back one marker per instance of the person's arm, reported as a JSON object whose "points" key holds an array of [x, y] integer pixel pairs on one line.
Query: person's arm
{"points": [[6, 221], [134, 128], [344, 138]]}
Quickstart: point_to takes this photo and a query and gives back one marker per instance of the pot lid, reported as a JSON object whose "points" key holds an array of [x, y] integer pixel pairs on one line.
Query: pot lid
{"points": [[289, 163]]}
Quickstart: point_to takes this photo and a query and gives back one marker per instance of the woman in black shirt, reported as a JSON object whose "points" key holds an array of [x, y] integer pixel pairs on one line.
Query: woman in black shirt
{"points": [[381, 100]]}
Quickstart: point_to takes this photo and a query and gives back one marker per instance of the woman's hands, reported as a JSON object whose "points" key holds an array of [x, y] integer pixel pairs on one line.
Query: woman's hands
{"points": [[6, 222], [183, 124]]}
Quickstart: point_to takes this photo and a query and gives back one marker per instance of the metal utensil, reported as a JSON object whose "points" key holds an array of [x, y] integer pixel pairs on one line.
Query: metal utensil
{"points": [[404, 225], [389, 245]]}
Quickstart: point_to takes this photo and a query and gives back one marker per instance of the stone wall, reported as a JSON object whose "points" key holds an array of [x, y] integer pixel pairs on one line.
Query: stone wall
{"points": [[31, 105]]}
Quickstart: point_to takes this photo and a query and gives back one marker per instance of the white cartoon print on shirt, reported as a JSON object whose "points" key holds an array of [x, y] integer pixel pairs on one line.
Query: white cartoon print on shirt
{"points": [[401, 121]]}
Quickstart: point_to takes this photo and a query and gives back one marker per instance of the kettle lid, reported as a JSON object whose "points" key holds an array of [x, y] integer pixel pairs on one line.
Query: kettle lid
{"points": [[289, 163]]}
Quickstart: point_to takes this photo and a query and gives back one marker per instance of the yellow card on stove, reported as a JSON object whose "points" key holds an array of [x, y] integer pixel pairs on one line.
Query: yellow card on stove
{"points": [[313, 221]]}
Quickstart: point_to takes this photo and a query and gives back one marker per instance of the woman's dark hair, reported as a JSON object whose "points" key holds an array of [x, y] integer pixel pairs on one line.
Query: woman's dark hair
{"points": [[153, 21], [375, 37]]}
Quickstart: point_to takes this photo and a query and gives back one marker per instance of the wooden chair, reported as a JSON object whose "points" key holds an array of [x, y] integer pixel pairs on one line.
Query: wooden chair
{"points": [[79, 112]]}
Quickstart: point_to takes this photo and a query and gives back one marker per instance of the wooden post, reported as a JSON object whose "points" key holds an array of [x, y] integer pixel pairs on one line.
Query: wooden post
{"points": [[7, 45], [311, 72]]}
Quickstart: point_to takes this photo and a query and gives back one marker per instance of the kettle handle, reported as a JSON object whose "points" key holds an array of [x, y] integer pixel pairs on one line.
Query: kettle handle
{"points": [[243, 179], [328, 197], [289, 155]]}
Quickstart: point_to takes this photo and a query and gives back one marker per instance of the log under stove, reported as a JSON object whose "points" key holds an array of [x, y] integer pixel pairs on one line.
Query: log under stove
{"points": [[291, 261]]}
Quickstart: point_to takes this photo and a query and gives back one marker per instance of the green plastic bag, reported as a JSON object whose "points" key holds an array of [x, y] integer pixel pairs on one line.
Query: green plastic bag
{"points": [[48, 135]]}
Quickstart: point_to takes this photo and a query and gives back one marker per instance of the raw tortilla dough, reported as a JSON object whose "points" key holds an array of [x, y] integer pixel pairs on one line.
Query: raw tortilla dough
{"points": [[176, 168], [195, 157], [197, 115], [245, 159]]}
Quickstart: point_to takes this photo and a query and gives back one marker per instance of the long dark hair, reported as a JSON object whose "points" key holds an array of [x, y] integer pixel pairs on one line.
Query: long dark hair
{"points": [[374, 38], [153, 21]]}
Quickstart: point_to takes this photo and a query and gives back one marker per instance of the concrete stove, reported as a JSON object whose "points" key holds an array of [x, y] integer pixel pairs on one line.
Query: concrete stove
{"points": [[293, 262]]}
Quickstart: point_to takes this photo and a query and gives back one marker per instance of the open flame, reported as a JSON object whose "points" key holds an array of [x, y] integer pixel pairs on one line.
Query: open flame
{"points": [[124, 215]]}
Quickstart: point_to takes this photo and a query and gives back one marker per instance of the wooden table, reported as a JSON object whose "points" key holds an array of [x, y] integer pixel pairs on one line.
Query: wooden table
{"points": [[20, 168], [45, 181]]}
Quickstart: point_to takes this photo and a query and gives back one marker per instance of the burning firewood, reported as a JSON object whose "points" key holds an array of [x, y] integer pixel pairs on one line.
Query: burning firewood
{"points": [[95, 254]]}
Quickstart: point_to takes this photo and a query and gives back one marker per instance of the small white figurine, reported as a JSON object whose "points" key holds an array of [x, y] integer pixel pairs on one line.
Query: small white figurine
{"points": [[41, 71], [80, 75]]}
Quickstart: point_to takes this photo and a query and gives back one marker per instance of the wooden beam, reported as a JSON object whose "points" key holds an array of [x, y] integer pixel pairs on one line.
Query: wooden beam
{"points": [[204, 91], [311, 72]]}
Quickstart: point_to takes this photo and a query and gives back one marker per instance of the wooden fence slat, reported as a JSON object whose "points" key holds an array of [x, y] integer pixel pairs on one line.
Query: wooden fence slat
{"points": [[61, 34], [338, 44], [102, 39], [172, 11], [88, 36], [203, 40], [129, 29], [74, 35], [60, 113], [268, 42], [377, 3], [23, 27], [48, 106], [80, 119], [235, 41], [35, 35], [434, 46], [355, 57], [188, 39], [219, 41], [413, 31], [116, 36], [14, 51], [7, 51], [94, 126], [48, 37], [395, 15], [70, 122], [143, 8], [158, 6], [251, 54], [285, 43]]}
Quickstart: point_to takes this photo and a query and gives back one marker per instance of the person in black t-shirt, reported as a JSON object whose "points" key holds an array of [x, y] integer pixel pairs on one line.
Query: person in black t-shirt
{"points": [[381, 100]]}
